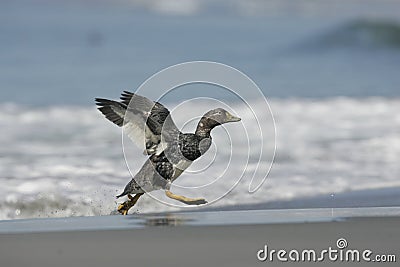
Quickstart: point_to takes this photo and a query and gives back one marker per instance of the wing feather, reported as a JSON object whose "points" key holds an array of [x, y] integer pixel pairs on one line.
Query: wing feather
{"points": [[148, 124]]}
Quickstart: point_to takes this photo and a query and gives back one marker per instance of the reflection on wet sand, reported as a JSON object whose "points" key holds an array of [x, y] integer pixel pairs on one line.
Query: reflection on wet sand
{"points": [[165, 220]]}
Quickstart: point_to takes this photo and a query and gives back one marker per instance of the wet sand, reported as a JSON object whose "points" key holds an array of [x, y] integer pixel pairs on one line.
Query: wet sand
{"points": [[195, 239]]}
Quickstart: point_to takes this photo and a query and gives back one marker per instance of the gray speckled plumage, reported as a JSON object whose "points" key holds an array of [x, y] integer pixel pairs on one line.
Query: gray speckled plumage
{"points": [[170, 151]]}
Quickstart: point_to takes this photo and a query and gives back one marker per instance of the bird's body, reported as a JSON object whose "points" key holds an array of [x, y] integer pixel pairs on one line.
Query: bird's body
{"points": [[158, 170], [170, 151]]}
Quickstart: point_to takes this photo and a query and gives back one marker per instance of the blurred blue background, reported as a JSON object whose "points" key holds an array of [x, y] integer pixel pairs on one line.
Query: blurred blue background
{"points": [[65, 52]]}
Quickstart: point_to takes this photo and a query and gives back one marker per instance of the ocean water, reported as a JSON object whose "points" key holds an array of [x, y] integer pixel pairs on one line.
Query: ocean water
{"points": [[66, 161], [329, 71]]}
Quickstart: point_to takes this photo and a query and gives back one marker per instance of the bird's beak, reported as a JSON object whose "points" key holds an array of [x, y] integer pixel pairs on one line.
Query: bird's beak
{"points": [[231, 118]]}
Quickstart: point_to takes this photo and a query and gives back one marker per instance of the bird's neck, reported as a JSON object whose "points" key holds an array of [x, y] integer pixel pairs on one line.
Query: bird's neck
{"points": [[203, 128]]}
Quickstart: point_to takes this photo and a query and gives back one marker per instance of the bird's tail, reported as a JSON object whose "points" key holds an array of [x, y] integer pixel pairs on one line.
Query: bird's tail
{"points": [[127, 190], [130, 188], [121, 195]]}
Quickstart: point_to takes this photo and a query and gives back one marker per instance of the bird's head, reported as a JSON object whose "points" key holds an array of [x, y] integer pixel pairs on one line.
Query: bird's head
{"points": [[219, 116], [214, 118]]}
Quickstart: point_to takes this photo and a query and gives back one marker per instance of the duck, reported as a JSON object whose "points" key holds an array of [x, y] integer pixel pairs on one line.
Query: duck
{"points": [[170, 152]]}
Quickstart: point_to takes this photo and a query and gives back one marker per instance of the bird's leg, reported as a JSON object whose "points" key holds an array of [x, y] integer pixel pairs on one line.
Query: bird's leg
{"points": [[123, 208], [186, 200]]}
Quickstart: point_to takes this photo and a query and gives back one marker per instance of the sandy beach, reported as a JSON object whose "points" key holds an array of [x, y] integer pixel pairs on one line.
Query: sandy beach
{"points": [[195, 239]]}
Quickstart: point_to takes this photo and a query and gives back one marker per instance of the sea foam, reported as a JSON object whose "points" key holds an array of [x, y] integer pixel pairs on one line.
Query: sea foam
{"points": [[69, 161]]}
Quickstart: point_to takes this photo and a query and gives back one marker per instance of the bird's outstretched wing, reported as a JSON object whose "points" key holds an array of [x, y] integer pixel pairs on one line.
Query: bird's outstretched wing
{"points": [[148, 124]]}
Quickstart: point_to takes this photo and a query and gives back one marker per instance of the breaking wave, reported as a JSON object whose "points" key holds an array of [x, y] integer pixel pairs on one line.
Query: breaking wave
{"points": [[361, 33], [68, 161]]}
